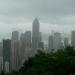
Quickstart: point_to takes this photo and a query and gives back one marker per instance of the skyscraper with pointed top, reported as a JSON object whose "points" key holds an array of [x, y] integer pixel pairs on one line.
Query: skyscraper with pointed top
{"points": [[35, 34]]}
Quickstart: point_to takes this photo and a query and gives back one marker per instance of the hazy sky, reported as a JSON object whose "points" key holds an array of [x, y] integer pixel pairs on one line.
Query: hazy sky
{"points": [[58, 15]]}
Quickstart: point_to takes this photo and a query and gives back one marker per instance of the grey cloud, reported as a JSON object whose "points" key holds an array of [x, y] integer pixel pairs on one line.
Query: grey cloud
{"points": [[17, 14], [46, 10]]}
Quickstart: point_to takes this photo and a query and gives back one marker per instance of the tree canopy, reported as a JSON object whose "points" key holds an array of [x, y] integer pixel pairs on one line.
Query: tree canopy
{"points": [[61, 62]]}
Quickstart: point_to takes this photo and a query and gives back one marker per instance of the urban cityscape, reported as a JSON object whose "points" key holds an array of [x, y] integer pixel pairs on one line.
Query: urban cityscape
{"points": [[15, 51], [37, 37]]}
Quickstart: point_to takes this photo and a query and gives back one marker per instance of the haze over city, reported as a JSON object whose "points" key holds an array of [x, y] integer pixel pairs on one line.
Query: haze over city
{"points": [[56, 15]]}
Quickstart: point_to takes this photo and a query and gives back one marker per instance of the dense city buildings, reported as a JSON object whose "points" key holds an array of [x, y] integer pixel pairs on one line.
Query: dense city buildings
{"points": [[6, 55], [14, 52]]}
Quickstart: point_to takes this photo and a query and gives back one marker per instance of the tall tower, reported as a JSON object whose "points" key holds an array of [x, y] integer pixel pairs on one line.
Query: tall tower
{"points": [[22, 49], [73, 38], [35, 34], [15, 50], [6, 55]]}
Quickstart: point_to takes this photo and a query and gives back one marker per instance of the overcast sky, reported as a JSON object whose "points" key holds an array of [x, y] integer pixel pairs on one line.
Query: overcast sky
{"points": [[57, 15]]}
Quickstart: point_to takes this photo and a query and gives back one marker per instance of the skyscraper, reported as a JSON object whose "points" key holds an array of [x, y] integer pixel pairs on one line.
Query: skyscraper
{"points": [[50, 43], [57, 41], [1, 64], [6, 55], [28, 51], [73, 38], [66, 42], [41, 45], [28, 39], [1, 48], [40, 36], [22, 49], [25, 46], [35, 34], [15, 50]]}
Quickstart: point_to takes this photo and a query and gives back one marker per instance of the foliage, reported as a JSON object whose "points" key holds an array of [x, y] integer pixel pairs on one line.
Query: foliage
{"points": [[61, 62]]}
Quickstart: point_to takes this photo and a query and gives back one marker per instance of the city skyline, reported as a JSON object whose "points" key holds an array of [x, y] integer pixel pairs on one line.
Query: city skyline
{"points": [[22, 46], [35, 34], [48, 29]]}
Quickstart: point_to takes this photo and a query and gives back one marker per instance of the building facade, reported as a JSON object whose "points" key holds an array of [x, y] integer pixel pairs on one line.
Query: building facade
{"points": [[6, 55], [66, 42], [57, 41], [15, 50], [50, 43]]}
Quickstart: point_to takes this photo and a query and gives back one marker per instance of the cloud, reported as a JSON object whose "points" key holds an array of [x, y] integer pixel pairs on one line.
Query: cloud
{"points": [[47, 10], [13, 13]]}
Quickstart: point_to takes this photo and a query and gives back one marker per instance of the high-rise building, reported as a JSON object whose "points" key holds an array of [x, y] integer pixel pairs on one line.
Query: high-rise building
{"points": [[73, 38], [57, 41], [50, 43], [1, 64], [41, 45], [22, 49], [1, 48], [28, 51], [35, 34], [40, 36], [15, 50], [15, 36], [6, 55], [25, 46], [66, 42], [28, 39]]}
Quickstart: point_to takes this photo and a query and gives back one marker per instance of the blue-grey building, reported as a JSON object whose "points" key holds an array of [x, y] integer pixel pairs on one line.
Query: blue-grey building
{"points": [[6, 55]]}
